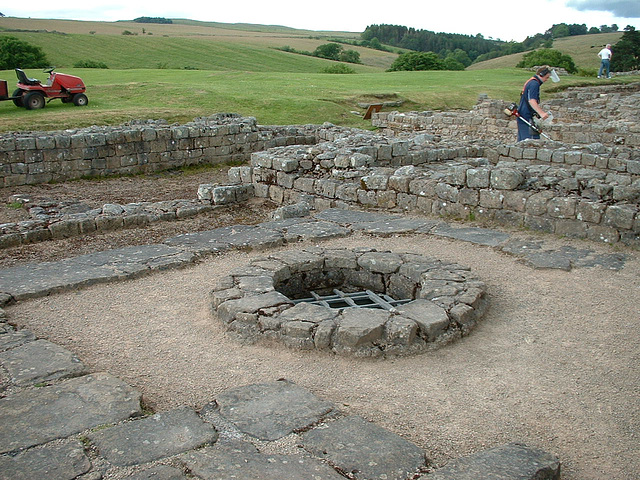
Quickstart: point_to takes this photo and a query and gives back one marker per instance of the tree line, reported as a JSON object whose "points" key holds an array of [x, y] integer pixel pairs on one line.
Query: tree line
{"points": [[450, 51], [477, 47]]}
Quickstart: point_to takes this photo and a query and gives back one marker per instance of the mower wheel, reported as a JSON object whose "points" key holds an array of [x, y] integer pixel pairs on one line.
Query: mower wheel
{"points": [[17, 100], [80, 100], [33, 100]]}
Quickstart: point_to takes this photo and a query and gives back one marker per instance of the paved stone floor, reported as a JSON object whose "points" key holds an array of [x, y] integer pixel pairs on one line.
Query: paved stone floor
{"points": [[60, 421]]}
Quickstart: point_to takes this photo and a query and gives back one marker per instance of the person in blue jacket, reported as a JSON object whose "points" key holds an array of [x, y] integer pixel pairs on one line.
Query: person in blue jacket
{"points": [[530, 103]]}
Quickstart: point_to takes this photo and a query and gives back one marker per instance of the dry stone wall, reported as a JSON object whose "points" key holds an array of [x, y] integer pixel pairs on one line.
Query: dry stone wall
{"points": [[603, 114], [138, 147], [591, 192]]}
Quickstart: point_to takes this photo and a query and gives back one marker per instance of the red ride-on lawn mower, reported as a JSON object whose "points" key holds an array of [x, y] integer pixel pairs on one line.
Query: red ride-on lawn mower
{"points": [[32, 94]]}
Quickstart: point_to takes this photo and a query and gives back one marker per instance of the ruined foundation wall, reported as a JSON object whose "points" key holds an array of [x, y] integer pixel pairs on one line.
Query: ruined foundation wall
{"points": [[601, 114], [142, 147], [572, 192]]}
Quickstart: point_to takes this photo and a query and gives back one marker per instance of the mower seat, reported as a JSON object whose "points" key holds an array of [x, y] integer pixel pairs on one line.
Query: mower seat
{"points": [[22, 78]]}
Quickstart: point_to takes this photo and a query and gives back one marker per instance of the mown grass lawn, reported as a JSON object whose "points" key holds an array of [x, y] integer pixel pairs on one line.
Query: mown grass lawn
{"points": [[117, 96]]}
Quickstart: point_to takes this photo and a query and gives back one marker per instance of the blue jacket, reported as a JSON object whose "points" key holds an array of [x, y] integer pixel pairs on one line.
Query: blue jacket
{"points": [[530, 91]]}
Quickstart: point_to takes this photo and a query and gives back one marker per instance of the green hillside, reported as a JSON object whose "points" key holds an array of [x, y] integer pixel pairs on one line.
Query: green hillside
{"points": [[185, 44]]}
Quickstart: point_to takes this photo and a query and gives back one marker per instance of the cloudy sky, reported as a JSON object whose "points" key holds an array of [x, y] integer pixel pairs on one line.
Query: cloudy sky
{"points": [[500, 19]]}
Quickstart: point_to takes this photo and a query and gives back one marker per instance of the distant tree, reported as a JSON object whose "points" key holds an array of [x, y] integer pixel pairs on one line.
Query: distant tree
{"points": [[340, 68], [559, 31], [412, 61], [16, 53], [626, 53], [577, 29], [563, 30], [460, 56], [153, 20], [329, 51], [335, 51], [451, 63], [607, 29], [375, 43], [548, 56], [350, 56]]}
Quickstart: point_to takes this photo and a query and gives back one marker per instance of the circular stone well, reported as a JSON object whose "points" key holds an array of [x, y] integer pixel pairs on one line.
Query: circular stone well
{"points": [[437, 301]]}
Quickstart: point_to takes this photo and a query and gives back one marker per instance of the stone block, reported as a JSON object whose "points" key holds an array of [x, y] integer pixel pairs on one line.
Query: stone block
{"points": [[64, 229], [152, 438], [469, 196], [400, 148], [380, 262], [633, 167], [620, 216], [298, 329], [432, 320], [537, 203], [35, 417], [562, 207], [628, 194], [401, 331], [490, 198], [61, 462], [399, 183], [270, 411], [478, 177], [571, 228], [506, 178], [360, 328], [512, 461], [447, 192], [105, 223], [374, 182], [228, 310], [353, 444], [604, 234], [538, 223], [588, 211], [40, 361]]}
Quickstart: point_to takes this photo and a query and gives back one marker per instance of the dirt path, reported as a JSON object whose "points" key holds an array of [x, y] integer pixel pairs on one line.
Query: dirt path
{"points": [[553, 364]]}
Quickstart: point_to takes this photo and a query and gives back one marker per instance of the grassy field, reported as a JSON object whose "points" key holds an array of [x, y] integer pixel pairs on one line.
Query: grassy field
{"points": [[193, 45], [193, 69]]}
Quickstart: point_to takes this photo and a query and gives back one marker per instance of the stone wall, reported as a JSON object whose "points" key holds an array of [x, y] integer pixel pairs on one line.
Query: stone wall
{"points": [[139, 147], [606, 114], [591, 192]]}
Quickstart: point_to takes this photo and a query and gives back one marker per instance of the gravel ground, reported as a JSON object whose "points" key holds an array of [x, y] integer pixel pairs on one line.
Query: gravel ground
{"points": [[553, 363]]}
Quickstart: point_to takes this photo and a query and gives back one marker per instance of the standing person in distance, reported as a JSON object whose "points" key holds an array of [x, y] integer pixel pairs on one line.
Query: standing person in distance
{"points": [[530, 103], [605, 60]]}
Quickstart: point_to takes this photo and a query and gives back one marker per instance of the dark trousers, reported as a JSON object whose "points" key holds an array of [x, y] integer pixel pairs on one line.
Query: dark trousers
{"points": [[525, 131]]}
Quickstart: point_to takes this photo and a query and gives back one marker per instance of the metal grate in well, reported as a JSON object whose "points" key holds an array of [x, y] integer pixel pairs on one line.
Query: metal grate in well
{"points": [[363, 299]]}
